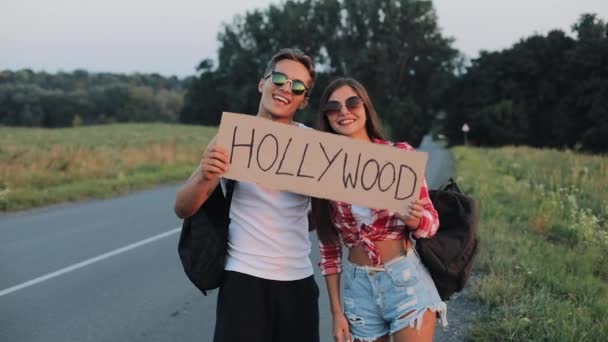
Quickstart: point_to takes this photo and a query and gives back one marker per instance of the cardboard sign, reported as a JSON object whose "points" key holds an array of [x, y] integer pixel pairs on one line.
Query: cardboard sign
{"points": [[320, 164]]}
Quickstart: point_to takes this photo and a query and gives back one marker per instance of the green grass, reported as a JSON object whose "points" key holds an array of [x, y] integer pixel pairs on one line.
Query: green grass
{"points": [[544, 243], [44, 166]]}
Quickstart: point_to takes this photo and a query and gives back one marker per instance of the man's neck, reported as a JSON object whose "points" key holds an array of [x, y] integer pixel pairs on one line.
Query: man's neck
{"points": [[285, 120]]}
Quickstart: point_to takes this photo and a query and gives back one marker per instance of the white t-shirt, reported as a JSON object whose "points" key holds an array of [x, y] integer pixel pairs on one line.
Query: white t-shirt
{"points": [[268, 233], [361, 214]]}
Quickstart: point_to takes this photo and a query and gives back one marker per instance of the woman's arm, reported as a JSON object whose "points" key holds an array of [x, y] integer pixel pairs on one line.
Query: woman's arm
{"points": [[331, 266], [421, 217], [428, 216], [339, 322], [333, 291]]}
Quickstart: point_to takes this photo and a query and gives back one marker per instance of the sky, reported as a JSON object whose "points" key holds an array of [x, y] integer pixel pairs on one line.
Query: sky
{"points": [[171, 37]]}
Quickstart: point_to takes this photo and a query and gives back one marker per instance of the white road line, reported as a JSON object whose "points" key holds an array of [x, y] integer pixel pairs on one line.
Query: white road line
{"points": [[87, 262]]}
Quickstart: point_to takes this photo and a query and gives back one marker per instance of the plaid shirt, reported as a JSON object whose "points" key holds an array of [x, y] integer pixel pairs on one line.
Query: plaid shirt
{"points": [[384, 226]]}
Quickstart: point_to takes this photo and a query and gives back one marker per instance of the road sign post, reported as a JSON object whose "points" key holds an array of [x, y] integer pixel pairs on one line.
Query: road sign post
{"points": [[465, 130]]}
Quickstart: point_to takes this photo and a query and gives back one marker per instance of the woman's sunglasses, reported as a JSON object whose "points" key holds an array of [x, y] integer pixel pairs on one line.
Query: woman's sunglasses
{"points": [[278, 78], [335, 107]]}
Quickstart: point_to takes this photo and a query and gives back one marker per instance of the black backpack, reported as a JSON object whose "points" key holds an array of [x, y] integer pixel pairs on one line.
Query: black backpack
{"points": [[449, 255], [204, 238]]}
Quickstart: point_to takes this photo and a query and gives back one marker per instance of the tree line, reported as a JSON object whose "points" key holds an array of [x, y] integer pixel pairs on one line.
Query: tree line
{"points": [[40, 99], [546, 90], [394, 48]]}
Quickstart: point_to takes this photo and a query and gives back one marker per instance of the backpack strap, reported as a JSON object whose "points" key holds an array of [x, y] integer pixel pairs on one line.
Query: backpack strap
{"points": [[230, 183], [450, 185]]}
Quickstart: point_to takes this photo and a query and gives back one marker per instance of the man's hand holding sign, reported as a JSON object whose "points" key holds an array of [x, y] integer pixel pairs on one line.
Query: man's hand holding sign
{"points": [[320, 164]]}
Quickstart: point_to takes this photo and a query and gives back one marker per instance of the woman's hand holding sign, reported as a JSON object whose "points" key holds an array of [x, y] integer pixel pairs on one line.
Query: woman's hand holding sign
{"points": [[412, 217]]}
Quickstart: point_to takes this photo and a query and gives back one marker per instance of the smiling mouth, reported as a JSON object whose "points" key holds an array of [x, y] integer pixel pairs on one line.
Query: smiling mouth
{"points": [[281, 99], [346, 122]]}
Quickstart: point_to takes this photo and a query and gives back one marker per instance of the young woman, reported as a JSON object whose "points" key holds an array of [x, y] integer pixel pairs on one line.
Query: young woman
{"points": [[387, 290]]}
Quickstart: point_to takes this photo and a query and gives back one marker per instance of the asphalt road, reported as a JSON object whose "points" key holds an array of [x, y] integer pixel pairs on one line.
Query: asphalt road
{"points": [[108, 271]]}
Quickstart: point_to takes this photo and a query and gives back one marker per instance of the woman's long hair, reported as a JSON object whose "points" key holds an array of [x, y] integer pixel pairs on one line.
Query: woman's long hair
{"points": [[321, 211]]}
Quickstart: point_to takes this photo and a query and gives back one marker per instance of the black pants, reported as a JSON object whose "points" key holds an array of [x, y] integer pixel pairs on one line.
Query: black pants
{"points": [[261, 310]]}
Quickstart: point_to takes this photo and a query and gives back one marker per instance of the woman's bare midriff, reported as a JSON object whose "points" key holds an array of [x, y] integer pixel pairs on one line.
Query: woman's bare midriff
{"points": [[388, 249]]}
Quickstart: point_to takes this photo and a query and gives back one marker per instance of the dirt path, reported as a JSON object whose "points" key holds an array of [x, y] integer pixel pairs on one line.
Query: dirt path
{"points": [[462, 310]]}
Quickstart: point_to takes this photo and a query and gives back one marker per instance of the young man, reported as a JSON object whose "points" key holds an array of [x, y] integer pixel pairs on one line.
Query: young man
{"points": [[269, 292]]}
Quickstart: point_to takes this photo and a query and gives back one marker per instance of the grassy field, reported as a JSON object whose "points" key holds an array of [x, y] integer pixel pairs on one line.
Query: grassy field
{"points": [[544, 243], [44, 166]]}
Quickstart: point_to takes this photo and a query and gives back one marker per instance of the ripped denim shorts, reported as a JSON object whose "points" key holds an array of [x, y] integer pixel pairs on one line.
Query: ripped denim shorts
{"points": [[383, 300]]}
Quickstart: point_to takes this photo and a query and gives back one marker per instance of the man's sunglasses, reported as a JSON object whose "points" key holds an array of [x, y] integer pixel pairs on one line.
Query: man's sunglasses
{"points": [[335, 107], [278, 78]]}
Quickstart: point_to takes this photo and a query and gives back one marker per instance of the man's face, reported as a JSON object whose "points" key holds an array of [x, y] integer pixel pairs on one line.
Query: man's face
{"points": [[279, 101]]}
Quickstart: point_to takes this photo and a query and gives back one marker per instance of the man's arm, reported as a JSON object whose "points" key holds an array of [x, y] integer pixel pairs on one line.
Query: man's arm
{"points": [[203, 181]]}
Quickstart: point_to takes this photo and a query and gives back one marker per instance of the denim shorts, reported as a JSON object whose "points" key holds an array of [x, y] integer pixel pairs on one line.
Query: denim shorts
{"points": [[383, 300]]}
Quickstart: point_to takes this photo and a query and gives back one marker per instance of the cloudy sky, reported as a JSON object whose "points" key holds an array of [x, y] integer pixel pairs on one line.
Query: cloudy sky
{"points": [[171, 37]]}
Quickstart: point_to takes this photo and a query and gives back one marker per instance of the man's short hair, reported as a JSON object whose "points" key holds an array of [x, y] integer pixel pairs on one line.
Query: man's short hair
{"points": [[294, 55]]}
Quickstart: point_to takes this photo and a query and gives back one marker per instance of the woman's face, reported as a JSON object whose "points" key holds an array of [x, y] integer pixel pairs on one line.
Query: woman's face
{"points": [[346, 113]]}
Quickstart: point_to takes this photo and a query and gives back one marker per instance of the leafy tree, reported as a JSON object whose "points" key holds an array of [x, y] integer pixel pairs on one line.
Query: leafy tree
{"points": [[543, 91], [56, 100], [394, 47]]}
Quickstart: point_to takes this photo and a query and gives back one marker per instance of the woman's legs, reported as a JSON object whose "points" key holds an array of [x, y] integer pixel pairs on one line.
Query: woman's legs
{"points": [[409, 334], [381, 339], [426, 332], [401, 297]]}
